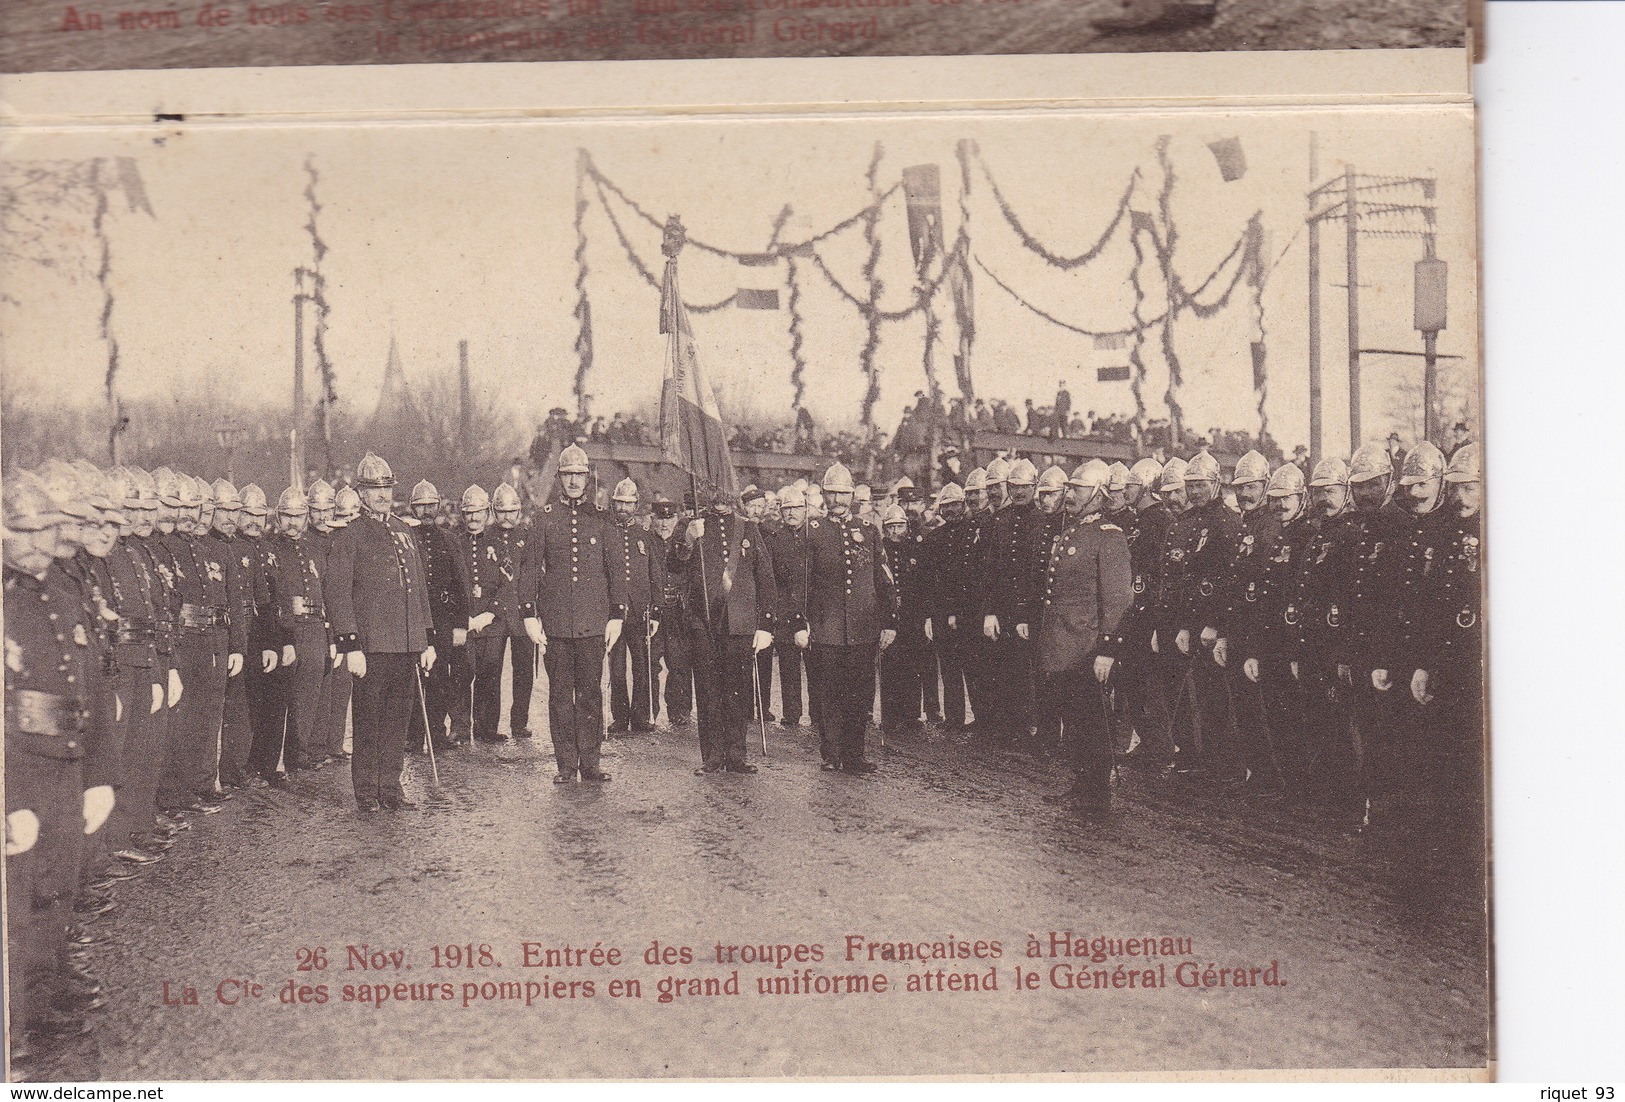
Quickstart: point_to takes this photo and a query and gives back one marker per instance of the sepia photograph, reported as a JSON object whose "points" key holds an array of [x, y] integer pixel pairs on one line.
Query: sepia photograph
{"points": [[965, 593]]}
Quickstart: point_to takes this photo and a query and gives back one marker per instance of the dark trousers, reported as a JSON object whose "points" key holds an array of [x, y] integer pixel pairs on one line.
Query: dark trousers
{"points": [[440, 687], [575, 702], [953, 653], [1331, 750], [980, 662], [143, 755], [790, 659], [268, 710], [629, 703], [1214, 712], [192, 747], [847, 677], [237, 725], [337, 685], [1080, 700], [524, 682], [302, 698], [41, 884], [1007, 682], [383, 701], [673, 646], [461, 690], [1169, 716], [722, 682], [903, 684], [488, 651]]}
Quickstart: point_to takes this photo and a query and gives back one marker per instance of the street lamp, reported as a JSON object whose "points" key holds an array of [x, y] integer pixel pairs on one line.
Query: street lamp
{"points": [[227, 436]]}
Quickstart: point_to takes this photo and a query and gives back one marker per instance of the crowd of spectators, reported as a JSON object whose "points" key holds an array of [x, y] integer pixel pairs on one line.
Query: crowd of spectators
{"points": [[925, 424]]}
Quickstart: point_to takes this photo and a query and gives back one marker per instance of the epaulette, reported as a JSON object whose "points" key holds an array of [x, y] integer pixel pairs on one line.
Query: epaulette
{"points": [[1090, 519], [1110, 528]]}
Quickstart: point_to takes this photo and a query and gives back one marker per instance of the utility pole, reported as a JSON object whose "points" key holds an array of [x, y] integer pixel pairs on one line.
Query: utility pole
{"points": [[1351, 218]]}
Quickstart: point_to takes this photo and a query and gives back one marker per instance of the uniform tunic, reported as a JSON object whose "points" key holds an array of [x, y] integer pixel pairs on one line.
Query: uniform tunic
{"points": [[637, 555], [378, 604], [570, 585], [850, 600], [299, 613]]}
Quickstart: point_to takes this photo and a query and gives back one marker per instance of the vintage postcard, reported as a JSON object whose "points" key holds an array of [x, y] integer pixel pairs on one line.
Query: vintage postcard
{"points": [[790, 566]]}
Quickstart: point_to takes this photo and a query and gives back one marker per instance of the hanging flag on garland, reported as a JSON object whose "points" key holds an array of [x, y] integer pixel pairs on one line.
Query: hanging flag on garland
{"points": [[1231, 157], [692, 433], [758, 282], [922, 189]]}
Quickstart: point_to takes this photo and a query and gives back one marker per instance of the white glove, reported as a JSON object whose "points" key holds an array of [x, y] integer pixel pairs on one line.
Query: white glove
{"points": [[1221, 651], [612, 633], [426, 659], [175, 687], [1154, 649], [930, 638], [356, 663], [1250, 668], [459, 637], [1294, 671], [22, 831], [990, 627], [118, 708], [1183, 640], [234, 665], [695, 530], [654, 626], [888, 636], [1103, 667], [98, 805], [157, 699], [762, 640], [953, 623], [1022, 631], [1419, 687], [1210, 635], [1345, 674], [481, 622], [803, 638], [267, 661], [1381, 681], [533, 630], [289, 656]]}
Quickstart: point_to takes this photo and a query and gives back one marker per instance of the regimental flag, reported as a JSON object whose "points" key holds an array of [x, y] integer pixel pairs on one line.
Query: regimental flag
{"points": [[692, 433], [758, 282]]}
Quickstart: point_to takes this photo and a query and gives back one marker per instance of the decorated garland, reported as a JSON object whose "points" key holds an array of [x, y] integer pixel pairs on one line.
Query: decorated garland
{"points": [[871, 343]]}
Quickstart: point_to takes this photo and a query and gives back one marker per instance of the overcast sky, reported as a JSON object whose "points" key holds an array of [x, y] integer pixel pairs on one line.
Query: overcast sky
{"points": [[466, 231]]}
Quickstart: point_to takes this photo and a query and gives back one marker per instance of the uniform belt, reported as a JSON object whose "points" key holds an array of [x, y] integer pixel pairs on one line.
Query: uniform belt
{"points": [[305, 608], [38, 713], [135, 631], [203, 617]]}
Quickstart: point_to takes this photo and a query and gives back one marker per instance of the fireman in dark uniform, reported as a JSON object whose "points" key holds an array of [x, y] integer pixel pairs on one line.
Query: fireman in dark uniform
{"points": [[1049, 499], [730, 598], [671, 644], [907, 668], [496, 607], [445, 573], [1447, 644], [1009, 602], [319, 745], [1258, 641], [300, 633], [636, 557], [378, 604], [850, 617], [59, 770], [510, 535], [253, 599], [788, 543], [479, 577], [576, 611], [1203, 538], [1088, 588], [1136, 686], [1372, 645], [950, 551], [262, 686]]}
